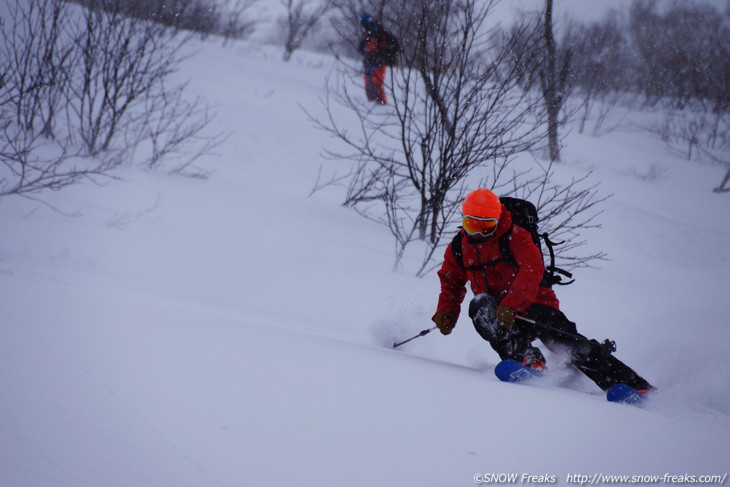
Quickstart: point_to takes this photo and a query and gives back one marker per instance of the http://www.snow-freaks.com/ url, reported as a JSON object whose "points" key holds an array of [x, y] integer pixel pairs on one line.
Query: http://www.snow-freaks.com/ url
{"points": [[599, 479]]}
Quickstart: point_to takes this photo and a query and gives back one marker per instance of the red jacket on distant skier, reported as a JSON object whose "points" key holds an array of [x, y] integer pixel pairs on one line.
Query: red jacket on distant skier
{"points": [[379, 49]]}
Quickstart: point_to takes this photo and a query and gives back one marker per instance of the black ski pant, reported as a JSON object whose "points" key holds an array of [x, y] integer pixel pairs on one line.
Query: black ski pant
{"points": [[515, 342]]}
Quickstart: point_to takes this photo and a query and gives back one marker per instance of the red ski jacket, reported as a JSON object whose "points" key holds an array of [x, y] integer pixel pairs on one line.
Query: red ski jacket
{"points": [[374, 48], [515, 286], [372, 52]]}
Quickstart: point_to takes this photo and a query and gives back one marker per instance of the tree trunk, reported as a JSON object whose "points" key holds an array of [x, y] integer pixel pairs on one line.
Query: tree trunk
{"points": [[553, 100], [723, 186]]}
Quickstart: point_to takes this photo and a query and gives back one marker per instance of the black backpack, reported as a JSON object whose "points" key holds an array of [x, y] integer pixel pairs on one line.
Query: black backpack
{"points": [[390, 49], [524, 214]]}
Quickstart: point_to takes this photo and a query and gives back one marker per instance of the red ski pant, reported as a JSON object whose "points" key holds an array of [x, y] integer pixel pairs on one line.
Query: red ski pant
{"points": [[375, 85]]}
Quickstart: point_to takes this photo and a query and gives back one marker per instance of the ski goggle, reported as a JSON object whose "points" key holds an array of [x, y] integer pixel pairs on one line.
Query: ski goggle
{"points": [[483, 227]]}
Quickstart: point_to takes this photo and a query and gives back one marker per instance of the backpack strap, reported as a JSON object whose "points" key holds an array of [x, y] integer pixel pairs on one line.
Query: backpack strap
{"points": [[504, 249], [550, 278], [456, 250]]}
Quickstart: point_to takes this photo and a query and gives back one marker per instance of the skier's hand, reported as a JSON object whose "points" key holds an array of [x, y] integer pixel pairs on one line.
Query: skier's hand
{"points": [[506, 316], [445, 321]]}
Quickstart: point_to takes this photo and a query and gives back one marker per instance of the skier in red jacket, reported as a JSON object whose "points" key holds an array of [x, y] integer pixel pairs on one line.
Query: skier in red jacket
{"points": [[504, 291], [379, 49]]}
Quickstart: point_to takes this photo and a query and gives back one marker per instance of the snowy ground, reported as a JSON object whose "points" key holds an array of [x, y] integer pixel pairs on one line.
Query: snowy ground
{"points": [[236, 331]]}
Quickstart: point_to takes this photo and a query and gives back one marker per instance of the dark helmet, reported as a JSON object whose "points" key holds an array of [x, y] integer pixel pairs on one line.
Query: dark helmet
{"points": [[368, 22]]}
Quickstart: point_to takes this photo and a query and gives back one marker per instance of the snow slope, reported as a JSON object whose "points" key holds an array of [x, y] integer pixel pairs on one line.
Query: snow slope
{"points": [[236, 331]]}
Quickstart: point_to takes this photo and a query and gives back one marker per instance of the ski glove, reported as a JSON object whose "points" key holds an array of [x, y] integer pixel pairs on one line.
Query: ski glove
{"points": [[506, 316], [445, 321]]}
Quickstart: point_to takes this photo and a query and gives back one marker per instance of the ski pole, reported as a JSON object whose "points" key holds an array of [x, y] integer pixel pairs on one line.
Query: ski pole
{"points": [[557, 330], [424, 332], [607, 346]]}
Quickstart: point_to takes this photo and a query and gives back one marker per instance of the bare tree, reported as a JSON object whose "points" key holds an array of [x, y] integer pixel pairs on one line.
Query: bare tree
{"points": [[725, 184], [720, 157], [683, 65], [681, 54], [107, 73], [30, 163], [235, 23], [600, 49], [458, 114], [544, 63], [171, 132], [35, 56], [122, 59], [697, 136], [301, 17], [553, 82], [205, 17], [121, 102], [566, 210]]}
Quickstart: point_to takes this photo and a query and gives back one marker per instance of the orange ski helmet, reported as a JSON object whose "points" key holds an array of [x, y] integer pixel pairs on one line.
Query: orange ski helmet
{"points": [[482, 203]]}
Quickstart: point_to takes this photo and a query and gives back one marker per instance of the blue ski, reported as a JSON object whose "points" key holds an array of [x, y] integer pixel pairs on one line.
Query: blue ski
{"points": [[509, 370], [624, 394]]}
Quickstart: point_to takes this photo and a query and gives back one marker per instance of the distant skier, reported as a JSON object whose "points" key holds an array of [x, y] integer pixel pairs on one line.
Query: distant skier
{"points": [[379, 49], [507, 288]]}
